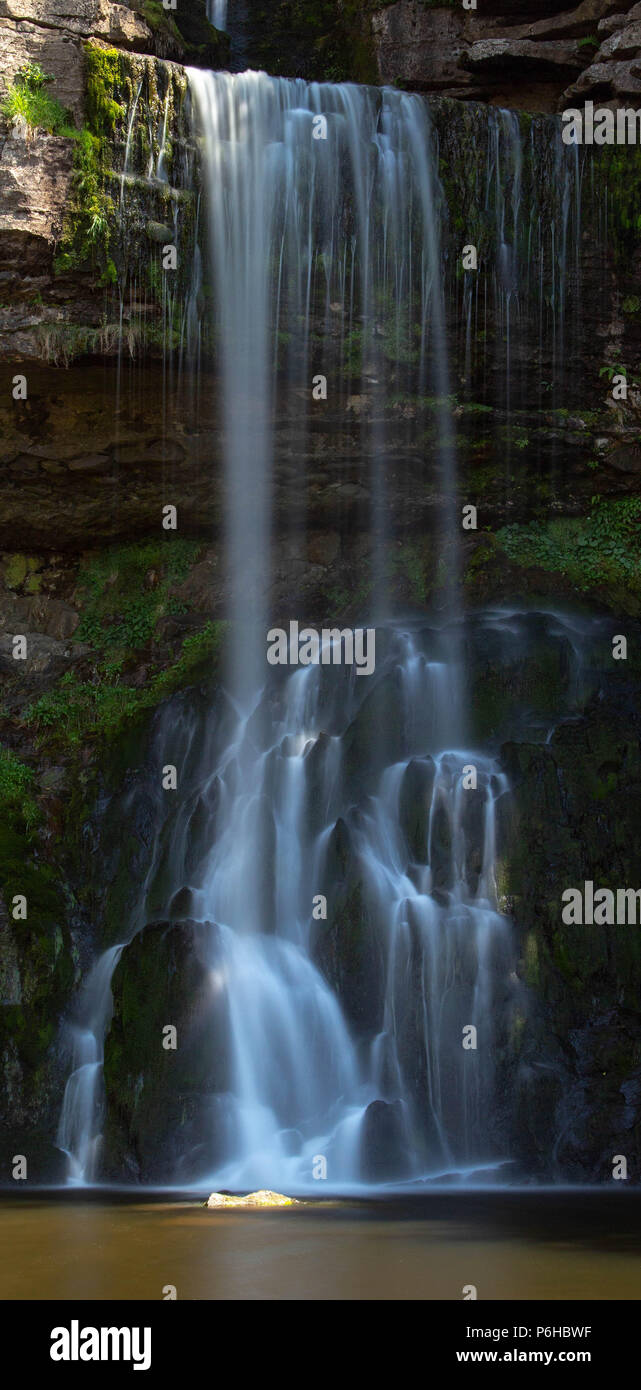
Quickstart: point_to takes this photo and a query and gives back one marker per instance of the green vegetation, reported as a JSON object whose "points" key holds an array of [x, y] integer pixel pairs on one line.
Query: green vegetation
{"points": [[620, 170], [160, 21], [187, 32], [329, 41], [87, 233], [17, 801], [89, 225], [21, 572], [105, 73], [125, 590], [411, 563], [28, 97], [601, 549], [103, 708]]}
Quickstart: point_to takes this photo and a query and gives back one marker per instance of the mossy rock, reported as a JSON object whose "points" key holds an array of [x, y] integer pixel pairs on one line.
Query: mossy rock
{"points": [[159, 1100]]}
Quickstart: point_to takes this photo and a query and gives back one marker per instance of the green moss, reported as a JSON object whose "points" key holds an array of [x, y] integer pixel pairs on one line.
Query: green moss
{"points": [[105, 73], [17, 801], [619, 167], [125, 590], [329, 41], [103, 709], [35, 964], [19, 571], [87, 232], [411, 562], [160, 21], [598, 550]]}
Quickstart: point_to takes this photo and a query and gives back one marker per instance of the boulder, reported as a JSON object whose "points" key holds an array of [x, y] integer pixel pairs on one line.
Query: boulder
{"points": [[385, 1155], [625, 43], [160, 1103], [612, 82], [349, 948], [264, 1198], [415, 799]]}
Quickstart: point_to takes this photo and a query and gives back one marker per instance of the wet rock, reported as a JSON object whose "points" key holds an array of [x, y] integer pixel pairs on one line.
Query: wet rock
{"points": [[473, 825], [349, 947], [181, 905], [159, 1102], [375, 737], [415, 799], [385, 1155], [440, 847], [47, 658], [90, 463], [157, 231], [40, 614], [569, 820]]}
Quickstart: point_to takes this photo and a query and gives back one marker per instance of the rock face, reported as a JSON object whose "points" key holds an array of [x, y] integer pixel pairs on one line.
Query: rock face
{"points": [[577, 1068], [614, 75], [35, 181], [76, 475], [117, 24], [497, 54], [59, 233]]}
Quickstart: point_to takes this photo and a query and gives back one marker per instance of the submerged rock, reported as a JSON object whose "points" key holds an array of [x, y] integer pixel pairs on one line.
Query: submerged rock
{"points": [[264, 1198]]}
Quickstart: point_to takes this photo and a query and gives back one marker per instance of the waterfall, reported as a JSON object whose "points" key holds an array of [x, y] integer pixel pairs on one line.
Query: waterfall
{"points": [[302, 1084], [325, 212], [217, 13], [365, 1037]]}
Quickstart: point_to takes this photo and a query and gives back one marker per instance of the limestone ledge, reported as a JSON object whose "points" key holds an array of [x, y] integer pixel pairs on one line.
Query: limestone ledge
{"points": [[591, 49]]}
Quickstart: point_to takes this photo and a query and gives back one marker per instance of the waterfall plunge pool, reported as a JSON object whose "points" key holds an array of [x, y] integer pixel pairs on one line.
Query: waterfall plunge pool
{"points": [[560, 1244]]}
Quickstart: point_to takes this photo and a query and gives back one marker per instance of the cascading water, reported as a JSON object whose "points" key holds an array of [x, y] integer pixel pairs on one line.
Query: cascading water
{"points": [[283, 805], [325, 209], [217, 13]]}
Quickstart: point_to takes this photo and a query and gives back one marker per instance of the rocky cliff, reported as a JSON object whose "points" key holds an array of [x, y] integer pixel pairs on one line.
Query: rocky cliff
{"points": [[94, 183], [496, 51]]}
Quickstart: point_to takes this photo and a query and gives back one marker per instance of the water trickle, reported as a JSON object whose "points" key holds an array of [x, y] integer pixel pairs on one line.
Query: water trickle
{"points": [[217, 13], [79, 1129]]}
